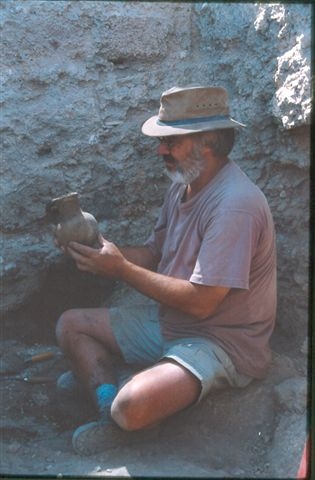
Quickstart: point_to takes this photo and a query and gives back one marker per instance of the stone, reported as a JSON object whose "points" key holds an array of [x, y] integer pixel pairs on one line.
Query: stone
{"points": [[291, 394], [286, 450], [40, 398], [14, 447], [247, 414]]}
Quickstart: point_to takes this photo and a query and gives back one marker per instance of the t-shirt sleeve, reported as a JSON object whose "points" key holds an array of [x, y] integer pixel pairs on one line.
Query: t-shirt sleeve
{"points": [[226, 250]]}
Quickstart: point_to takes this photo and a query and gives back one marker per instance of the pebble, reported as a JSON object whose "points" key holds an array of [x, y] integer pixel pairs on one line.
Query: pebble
{"points": [[237, 472], [291, 394], [14, 447], [41, 399]]}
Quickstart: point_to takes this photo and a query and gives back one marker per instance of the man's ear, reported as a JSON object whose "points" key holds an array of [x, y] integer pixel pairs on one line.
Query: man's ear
{"points": [[211, 140]]}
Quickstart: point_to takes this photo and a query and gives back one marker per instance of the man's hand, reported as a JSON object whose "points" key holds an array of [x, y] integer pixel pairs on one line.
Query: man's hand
{"points": [[106, 260]]}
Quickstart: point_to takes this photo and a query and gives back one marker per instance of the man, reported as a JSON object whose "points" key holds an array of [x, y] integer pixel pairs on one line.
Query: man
{"points": [[210, 267]]}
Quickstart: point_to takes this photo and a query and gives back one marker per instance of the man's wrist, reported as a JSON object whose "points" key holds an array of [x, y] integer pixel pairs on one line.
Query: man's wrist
{"points": [[124, 269]]}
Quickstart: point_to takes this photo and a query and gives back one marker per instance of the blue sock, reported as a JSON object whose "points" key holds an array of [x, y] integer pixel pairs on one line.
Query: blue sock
{"points": [[105, 395]]}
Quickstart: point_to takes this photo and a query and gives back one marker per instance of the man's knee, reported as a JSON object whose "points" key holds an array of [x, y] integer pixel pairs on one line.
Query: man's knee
{"points": [[128, 410], [67, 325]]}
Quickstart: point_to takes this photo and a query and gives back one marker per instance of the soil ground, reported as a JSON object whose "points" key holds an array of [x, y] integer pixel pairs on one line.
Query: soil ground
{"points": [[256, 432]]}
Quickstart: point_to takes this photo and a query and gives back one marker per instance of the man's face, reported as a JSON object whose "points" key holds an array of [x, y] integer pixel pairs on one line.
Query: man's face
{"points": [[183, 158]]}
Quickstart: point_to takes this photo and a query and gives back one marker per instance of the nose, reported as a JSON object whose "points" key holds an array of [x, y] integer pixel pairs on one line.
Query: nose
{"points": [[163, 149]]}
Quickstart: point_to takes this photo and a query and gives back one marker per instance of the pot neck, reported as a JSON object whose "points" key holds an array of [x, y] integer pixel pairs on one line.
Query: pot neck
{"points": [[70, 207]]}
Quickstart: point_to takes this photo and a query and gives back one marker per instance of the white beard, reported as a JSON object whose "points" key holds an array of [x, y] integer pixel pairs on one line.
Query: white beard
{"points": [[184, 177], [188, 172]]}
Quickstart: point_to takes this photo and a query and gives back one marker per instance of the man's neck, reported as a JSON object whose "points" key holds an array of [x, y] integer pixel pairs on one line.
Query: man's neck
{"points": [[210, 171]]}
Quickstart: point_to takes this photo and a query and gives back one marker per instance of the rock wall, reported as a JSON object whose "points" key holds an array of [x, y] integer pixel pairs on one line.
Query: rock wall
{"points": [[80, 77]]}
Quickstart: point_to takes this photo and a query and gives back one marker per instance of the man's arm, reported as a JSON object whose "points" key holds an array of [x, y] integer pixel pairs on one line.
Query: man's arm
{"points": [[197, 300], [141, 256]]}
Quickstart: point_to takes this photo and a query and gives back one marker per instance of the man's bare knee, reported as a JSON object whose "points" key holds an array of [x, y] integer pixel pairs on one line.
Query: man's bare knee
{"points": [[154, 394], [126, 411], [119, 411], [67, 325]]}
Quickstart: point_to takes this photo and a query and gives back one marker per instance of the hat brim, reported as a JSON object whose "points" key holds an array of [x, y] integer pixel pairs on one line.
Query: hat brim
{"points": [[154, 127]]}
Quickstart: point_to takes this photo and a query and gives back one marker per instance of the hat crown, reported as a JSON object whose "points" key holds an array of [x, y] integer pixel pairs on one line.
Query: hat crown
{"points": [[193, 102]]}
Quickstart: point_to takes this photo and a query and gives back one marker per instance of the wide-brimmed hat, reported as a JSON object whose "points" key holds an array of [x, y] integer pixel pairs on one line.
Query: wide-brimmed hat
{"points": [[191, 110]]}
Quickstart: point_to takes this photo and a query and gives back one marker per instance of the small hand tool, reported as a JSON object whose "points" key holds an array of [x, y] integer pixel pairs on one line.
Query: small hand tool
{"points": [[40, 357], [14, 375], [28, 379]]}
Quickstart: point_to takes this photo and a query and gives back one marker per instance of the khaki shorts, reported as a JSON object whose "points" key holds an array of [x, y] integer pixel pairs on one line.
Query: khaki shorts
{"points": [[137, 332]]}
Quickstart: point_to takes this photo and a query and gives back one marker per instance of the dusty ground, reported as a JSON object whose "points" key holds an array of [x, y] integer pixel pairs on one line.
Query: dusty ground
{"points": [[258, 432]]}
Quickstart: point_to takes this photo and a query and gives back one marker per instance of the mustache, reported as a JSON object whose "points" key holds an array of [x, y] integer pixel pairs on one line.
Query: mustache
{"points": [[169, 159]]}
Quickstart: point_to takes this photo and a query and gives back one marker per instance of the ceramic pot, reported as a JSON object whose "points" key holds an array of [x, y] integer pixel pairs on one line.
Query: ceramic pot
{"points": [[72, 223]]}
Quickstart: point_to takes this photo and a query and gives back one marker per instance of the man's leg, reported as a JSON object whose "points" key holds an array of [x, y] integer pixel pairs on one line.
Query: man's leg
{"points": [[86, 338], [191, 367], [154, 394], [146, 399]]}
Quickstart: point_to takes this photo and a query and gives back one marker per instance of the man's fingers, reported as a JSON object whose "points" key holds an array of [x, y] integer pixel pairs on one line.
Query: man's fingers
{"points": [[76, 255], [78, 247], [80, 257], [80, 260]]}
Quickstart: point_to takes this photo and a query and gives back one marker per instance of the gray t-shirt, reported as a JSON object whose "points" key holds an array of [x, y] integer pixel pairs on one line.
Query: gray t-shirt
{"points": [[223, 236]]}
